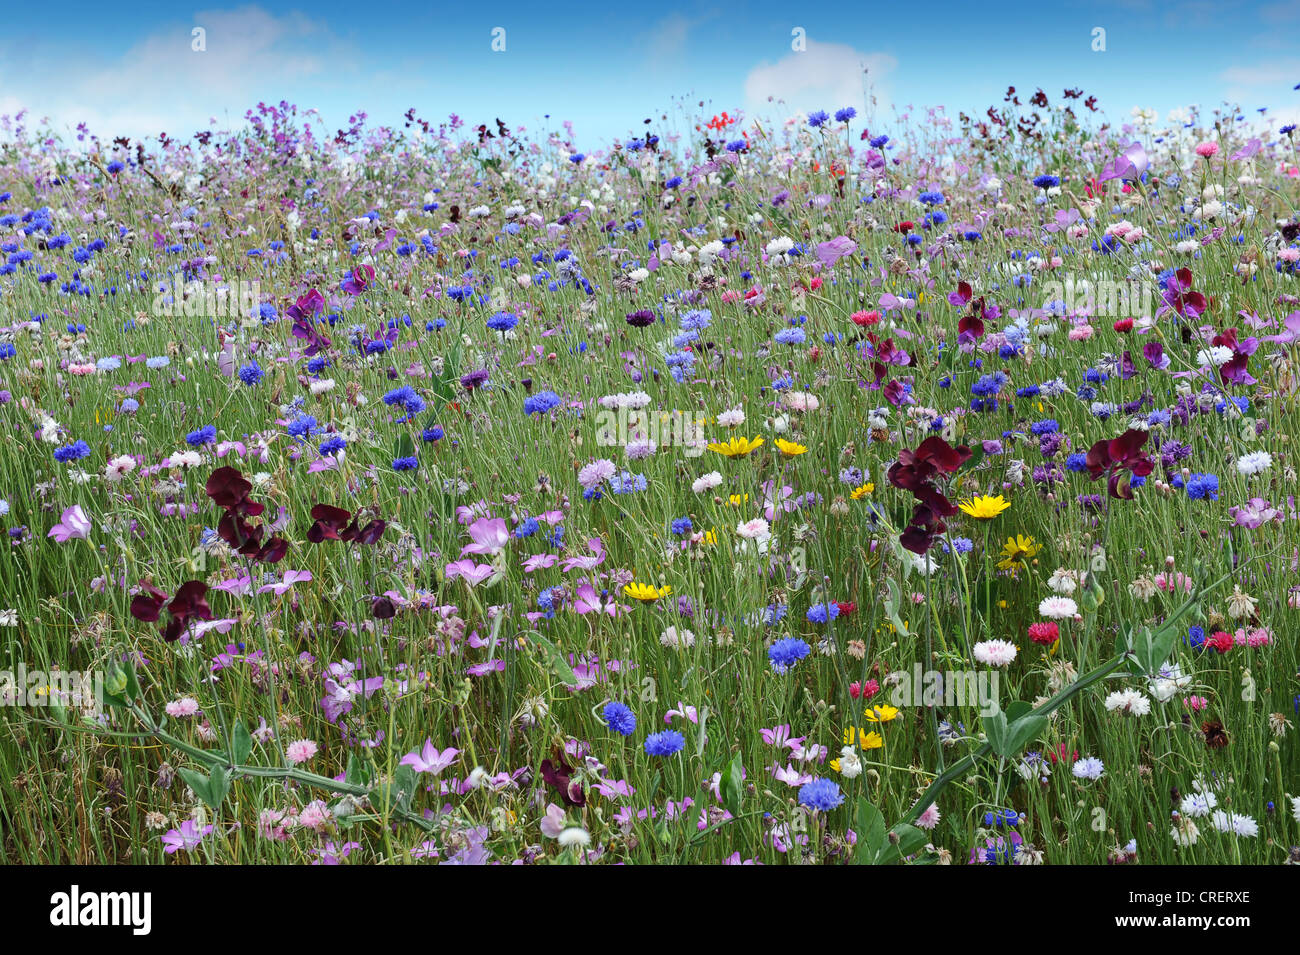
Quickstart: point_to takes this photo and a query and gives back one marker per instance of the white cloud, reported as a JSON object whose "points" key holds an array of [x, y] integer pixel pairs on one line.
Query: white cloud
{"points": [[162, 84], [824, 76]]}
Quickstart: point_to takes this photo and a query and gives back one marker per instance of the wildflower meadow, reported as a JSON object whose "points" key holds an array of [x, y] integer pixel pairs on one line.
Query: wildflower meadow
{"points": [[793, 490]]}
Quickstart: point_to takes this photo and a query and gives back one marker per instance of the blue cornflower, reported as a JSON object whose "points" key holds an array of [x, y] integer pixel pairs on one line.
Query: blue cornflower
{"points": [[681, 525], [621, 720], [1047, 182], [503, 321], [818, 118], [1201, 486], [527, 528], [205, 435], [791, 336], [1195, 638], [250, 374], [665, 743], [429, 435], [541, 402], [931, 198], [72, 452], [301, 426], [821, 794], [333, 445], [845, 114], [406, 464], [823, 612], [1048, 426], [786, 653]]}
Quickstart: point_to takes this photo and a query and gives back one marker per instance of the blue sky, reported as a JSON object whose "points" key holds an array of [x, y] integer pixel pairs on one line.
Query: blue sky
{"points": [[129, 67]]}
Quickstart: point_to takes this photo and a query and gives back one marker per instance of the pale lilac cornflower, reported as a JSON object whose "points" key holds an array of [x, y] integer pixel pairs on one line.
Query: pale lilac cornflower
{"points": [[1090, 767]]}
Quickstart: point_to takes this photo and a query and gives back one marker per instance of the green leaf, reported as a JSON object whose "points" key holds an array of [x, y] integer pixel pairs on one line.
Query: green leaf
{"points": [[872, 838], [555, 661], [241, 744], [733, 785]]}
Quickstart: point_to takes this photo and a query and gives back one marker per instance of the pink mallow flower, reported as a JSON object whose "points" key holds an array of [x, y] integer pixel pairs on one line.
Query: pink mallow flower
{"points": [[75, 523]]}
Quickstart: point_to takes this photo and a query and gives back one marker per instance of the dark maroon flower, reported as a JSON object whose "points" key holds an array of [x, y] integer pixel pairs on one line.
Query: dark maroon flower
{"points": [[641, 318], [559, 776], [1179, 296], [1115, 457]]}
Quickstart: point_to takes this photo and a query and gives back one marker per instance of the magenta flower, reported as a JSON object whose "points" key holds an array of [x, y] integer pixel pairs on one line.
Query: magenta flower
{"points": [[187, 837], [472, 573], [74, 524], [1292, 333], [429, 759], [291, 577], [1130, 164], [586, 600], [490, 537], [1253, 513]]}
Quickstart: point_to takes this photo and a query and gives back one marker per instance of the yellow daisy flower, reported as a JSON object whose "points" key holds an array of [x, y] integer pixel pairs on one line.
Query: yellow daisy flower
{"points": [[984, 508], [861, 491], [1016, 551], [882, 713], [865, 740], [640, 591], [789, 447], [736, 447]]}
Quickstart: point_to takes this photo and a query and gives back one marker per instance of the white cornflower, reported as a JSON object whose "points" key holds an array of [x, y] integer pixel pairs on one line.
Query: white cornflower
{"points": [[1058, 608], [1198, 805], [1255, 462], [998, 653], [1128, 701], [732, 418], [706, 483], [1235, 822], [1090, 767]]}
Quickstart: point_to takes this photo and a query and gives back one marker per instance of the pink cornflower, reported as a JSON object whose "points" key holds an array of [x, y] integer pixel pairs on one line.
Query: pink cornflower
{"points": [[299, 751], [1207, 149]]}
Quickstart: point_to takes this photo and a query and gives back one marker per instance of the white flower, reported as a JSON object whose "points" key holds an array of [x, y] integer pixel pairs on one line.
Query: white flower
{"points": [[321, 386], [1058, 608], [574, 837], [1198, 805], [706, 483], [779, 246], [1215, 356], [1128, 701], [998, 653], [1090, 767], [851, 766], [1185, 832], [119, 467], [930, 818], [1295, 807], [184, 459], [756, 529], [732, 418], [674, 638], [801, 401], [1254, 463], [1235, 822]]}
